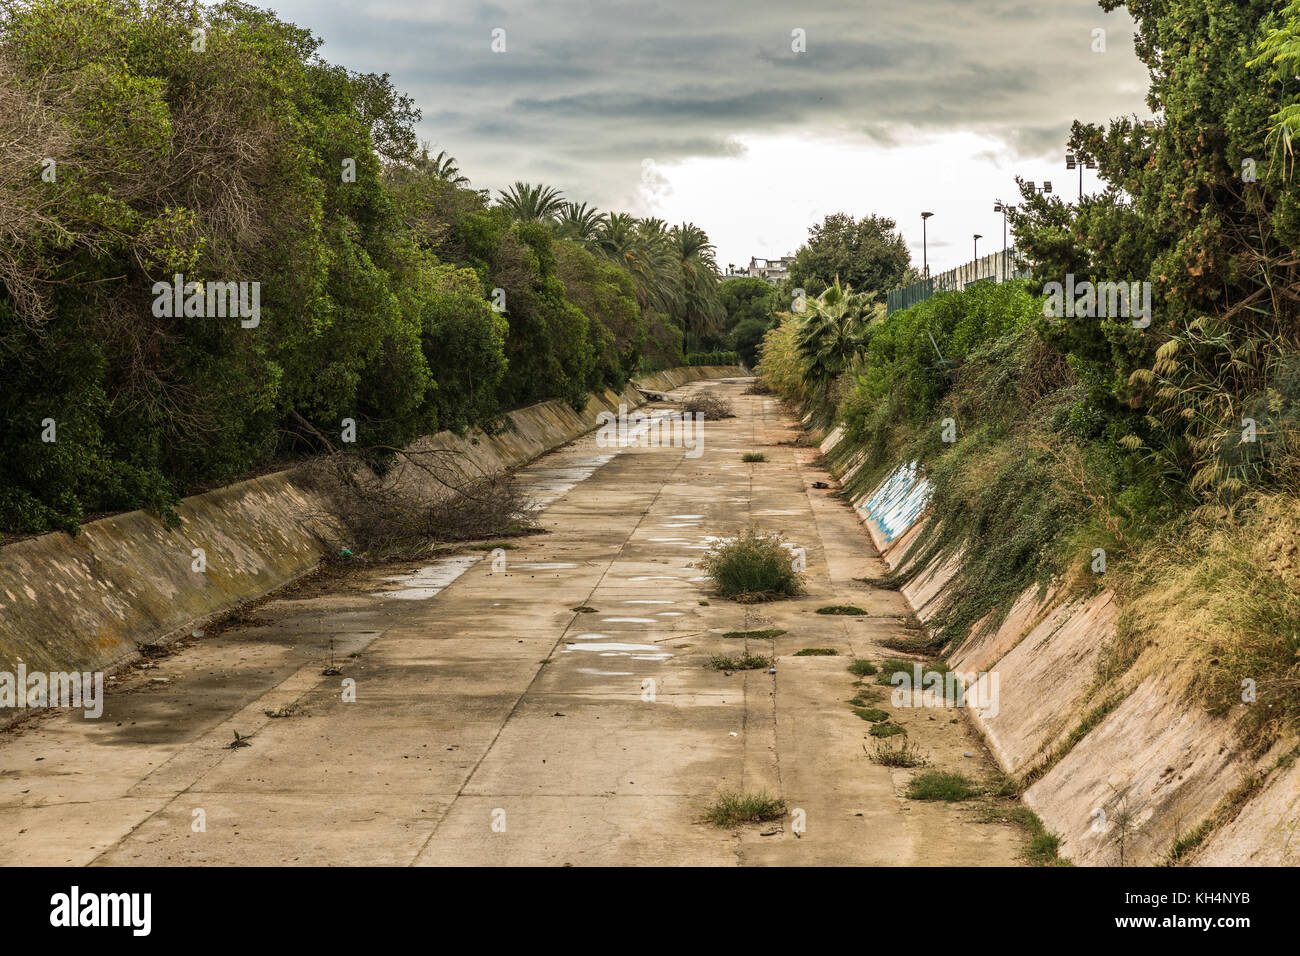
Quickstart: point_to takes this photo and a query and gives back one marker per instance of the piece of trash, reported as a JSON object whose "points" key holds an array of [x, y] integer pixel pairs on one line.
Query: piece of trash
{"points": [[734, 734], [771, 670], [820, 484], [966, 754], [345, 553]]}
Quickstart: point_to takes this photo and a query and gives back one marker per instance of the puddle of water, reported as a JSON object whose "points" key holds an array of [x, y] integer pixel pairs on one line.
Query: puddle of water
{"points": [[545, 485], [655, 577], [649, 601], [545, 566], [672, 613], [615, 649], [596, 673], [669, 539], [685, 517], [426, 582], [627, 620]]}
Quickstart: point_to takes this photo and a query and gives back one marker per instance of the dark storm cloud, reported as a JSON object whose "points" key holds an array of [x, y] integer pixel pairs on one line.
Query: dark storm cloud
{"points": [[586, 89]]}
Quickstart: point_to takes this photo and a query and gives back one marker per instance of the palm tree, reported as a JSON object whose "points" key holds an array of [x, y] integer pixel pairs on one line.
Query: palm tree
{"points": [[640, 246], [526, 202], [834, 332], [700, 311], [579, 221], [443, 167]]}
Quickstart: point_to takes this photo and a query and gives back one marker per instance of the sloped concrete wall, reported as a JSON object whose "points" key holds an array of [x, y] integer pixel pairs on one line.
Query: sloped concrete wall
{"points": [[84, 603], [1156, 759]]}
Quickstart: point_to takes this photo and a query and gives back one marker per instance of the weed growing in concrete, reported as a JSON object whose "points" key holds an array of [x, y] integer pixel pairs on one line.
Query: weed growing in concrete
{"points": [[817, 652], [899, 754], [886, 729], [744, 662], [756, 635], [753, 456], [733, 809], [872, 714], [753, 567], [846, 610], [863, 668], [941, 785], [891, 666]]}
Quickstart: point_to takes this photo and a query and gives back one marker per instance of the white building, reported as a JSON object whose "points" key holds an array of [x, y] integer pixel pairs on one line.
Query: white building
{"points": [[773, 270]]}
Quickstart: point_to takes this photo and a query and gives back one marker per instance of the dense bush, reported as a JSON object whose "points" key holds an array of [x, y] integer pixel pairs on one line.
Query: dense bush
{"points": [[390, 294]]}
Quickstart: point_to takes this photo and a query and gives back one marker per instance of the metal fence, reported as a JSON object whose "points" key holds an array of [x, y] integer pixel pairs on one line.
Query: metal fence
{"points": [[995, 267]]}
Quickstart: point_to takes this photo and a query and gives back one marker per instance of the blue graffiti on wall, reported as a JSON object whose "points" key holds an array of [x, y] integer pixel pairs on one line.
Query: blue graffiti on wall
{"points": [[898, 502]]}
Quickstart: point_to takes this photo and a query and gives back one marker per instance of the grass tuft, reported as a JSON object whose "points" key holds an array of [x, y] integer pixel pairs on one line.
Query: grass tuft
{"points": [[732, 809], [753, 567], [886, 729], [901, 754], [941, 785], [871, 713], [745, 662]]}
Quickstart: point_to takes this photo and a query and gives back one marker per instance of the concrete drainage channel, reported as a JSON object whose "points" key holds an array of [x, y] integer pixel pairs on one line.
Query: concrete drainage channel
{"points": [[393, 716]]}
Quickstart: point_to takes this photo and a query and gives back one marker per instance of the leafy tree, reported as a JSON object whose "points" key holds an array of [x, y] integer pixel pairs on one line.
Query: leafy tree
{"points": [[606, 294], [868, 254], [750, 306]]}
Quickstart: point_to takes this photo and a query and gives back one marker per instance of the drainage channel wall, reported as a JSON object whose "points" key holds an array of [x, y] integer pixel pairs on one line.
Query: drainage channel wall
{"points": [[1150, 771], [84, 603]]}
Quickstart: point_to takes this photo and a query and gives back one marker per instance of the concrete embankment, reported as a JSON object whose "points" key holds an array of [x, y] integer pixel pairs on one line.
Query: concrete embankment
{"points": [[1119, 772], [85, 603]]}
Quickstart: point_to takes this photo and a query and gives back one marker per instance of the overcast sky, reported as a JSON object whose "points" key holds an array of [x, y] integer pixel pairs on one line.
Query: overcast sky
{"points": [[702, 110]]}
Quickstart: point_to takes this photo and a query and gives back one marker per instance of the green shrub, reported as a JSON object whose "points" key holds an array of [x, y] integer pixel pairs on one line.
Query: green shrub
{"points": [[753, 567], [743, 662], [732, 809], [940, 785]]}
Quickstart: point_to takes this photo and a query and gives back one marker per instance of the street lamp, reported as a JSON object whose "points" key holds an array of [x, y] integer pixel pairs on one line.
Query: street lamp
{"points": [[1072, 161], [1046, 187], [925, 256], [978, 237], [1000, 206]]}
